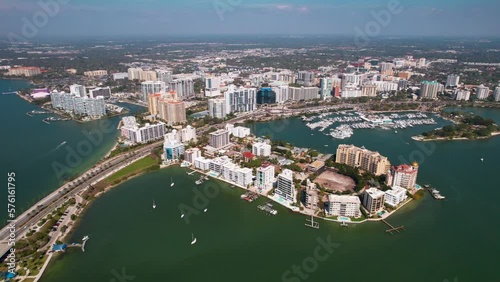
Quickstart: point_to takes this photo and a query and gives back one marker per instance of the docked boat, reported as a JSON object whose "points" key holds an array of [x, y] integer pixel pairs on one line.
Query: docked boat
{"points": [[342, 132], [436, 194]]}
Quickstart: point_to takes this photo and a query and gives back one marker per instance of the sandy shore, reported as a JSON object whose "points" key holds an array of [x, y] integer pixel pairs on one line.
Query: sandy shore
{"points": [[422, 139]]}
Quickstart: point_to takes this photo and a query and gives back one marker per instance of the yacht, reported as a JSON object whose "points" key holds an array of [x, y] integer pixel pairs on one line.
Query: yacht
{"points": [[182, 215], [193, 240], [342, 132], [171, 182], [154, 205]]}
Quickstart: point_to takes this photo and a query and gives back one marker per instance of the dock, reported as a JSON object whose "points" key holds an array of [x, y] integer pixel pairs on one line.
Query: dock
{"points": [[249, 196], [311, 223], [268, 208], [392, 228]]}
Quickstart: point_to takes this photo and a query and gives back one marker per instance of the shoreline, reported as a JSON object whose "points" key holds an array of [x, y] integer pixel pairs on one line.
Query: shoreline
{"points": [[420, 138]]}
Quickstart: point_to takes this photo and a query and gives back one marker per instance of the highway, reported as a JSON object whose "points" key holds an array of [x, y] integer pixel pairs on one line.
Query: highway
{"points": [[70, 189]]}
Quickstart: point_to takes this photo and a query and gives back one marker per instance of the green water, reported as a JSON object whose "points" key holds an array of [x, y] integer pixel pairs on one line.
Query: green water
{"points": [[30, 147], [456, 238]]}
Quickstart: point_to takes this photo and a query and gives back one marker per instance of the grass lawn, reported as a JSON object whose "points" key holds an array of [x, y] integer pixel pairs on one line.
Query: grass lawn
{"points": [[133, 168]]}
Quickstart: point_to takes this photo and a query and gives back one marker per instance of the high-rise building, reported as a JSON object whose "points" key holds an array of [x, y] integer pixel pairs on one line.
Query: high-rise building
{"points": [[240, 99], [153, 103], [303, 93], [78, 90], [82, 106], [452, 80], [152, 87], [134, 73], [373, 200], [386, 68], [285, 188], [217, 108], [219, 139], [172, 111], [261, 149], [135, 134], [188, 134], [395, 196], [281, 90], [212, 86], [100, 91], [238, 131], [462, 94], [266, 95], [164, 75], [402, 84], [326, 86], [369, 90], [184, 87], [343, 206], [173, 150], [497, 94], [482, 92], [305, 78], [190, 155], [403, 176], [421, 63], [24, 71], [148, 76], [429, 89], [265, 177], [120, 75], [367, 160], [96, 73], [351, 80]]}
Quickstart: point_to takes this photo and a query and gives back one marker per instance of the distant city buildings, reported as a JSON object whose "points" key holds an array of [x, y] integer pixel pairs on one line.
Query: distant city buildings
{"points": [[238, 131], [403, 176], [140, 74], [452, 80], [133, 133], [366, 160], [217, 108], [240, 99], [429, 89], [303, 93], [373, 200], [326, 86], [462, 94], [24, 71], [285, 187], [78, 90], [172, 111], [212, 86], [482, 92], [305, 78], [219, 139], [100, 91], [496, 94], [96, 73], [339, 205], [120, 75], [164, 75], [80, 106], [184, 88], [266, 95], [152, 87]]}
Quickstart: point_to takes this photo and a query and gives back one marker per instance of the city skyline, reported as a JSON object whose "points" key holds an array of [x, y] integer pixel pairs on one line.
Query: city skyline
{"points": [[79, 18]]}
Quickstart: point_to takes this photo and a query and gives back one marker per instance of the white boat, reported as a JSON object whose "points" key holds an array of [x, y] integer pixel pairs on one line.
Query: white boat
{"points": [[395, 131], [193, 240], [154, 205], [482, 159], [342, 132], [171, 182], [205, 210], [85, 238], [63, 143], [182, 215], [326, 145]]}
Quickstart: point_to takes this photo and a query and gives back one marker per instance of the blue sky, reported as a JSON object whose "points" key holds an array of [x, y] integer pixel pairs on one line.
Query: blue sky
{"points": [[177, 17]]}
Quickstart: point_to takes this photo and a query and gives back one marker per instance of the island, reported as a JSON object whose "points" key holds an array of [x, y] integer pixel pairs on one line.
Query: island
{"points": [[466, 126]]}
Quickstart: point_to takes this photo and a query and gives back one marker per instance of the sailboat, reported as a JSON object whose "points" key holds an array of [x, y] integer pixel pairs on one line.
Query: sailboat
{"points": [[182, 215], [154, 205], [193, 240], [171, 182], [482, 159], [205, 210]]}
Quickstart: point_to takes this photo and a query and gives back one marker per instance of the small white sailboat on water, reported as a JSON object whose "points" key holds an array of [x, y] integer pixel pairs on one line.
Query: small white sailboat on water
{"points": [[193, 240], [205, 210], [482, 159], [182, 215], [154, 205], [171, 182]]}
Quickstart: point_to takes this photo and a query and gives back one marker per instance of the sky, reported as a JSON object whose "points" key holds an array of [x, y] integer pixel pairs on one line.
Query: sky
{"points": [[32, 19]]}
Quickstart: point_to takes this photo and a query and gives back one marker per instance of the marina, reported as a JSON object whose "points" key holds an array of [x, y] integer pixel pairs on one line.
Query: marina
{"points": [[311, 223], [249, 196], [268, 208]]}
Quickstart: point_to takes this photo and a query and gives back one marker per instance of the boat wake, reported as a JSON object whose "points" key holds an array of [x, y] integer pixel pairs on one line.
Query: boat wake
{"points": [[60, 145]]}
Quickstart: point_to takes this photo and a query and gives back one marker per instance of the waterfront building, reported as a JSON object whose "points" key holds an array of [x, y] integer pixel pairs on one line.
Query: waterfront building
{"points": [[164, 75], [233, 173], [303, 93], [172, 111], [462, 94], [173, 150], [95, 73], [429, 89], [282, 91], [352, 79], [285, 188], [265, 177], [338, 205], [240, 99], [100, 91], [217, 108], [83, 106], [497, 94], [212, 86], [120, 75], [261, 149], [219, 139], [482, 92], [134, 134], [266, 95], [349, 92], [78, 90], [190, 155], [305, 78], [365, 159], [152, 87], [24, 71], [202, 164], [373, 200], [238, 131], [369, 90], [326, 86], [395, 196], [452, 80], [184, 87], [188, 134], [403, 176], [217, 164]]}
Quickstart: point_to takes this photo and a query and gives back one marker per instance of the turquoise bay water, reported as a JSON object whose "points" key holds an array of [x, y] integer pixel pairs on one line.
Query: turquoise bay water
{"points": [[30, 147], [445, 240]]}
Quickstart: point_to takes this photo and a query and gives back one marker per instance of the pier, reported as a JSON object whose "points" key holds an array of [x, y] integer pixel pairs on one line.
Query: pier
{"points": [[268, 208], [9, 93], [392, 228], [311, 223]]}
